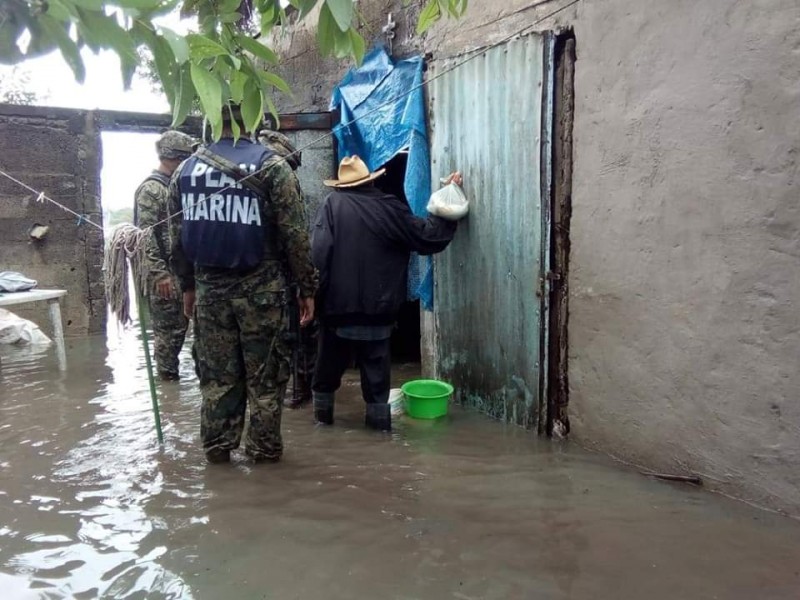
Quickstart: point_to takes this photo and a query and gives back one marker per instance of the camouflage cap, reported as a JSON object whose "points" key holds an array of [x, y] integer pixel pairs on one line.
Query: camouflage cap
{"points": [[282, 146], [174, 144]]}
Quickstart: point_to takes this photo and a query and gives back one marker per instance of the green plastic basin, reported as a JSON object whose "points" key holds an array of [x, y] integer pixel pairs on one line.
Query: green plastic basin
{"points": [[426, 398]]}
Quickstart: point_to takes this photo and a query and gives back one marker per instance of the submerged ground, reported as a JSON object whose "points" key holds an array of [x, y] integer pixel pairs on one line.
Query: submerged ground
{"points": [[462, 508]]}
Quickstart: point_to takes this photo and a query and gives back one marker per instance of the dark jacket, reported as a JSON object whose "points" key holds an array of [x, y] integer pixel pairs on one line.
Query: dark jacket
{"points": [[361, 244]]}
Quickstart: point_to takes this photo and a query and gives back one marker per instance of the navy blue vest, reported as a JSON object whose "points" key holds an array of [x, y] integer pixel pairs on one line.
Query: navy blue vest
{"points": [[223, 224]]}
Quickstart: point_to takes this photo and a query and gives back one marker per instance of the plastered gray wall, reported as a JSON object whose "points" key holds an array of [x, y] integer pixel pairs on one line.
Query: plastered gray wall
{"points": [[56, 151], [684, 330], [318, 164]]}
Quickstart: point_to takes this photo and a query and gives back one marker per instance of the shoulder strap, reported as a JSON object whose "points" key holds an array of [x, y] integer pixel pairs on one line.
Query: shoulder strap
{"points": [[229, 168], [157, 176]]}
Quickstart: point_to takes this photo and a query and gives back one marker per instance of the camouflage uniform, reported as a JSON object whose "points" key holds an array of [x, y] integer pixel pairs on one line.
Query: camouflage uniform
{"points": [[150, 210], [241, 321], [304, 341]]}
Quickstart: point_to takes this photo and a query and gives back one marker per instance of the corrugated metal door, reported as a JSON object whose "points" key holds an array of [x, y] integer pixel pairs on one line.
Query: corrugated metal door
{"points": [[486, 120]]}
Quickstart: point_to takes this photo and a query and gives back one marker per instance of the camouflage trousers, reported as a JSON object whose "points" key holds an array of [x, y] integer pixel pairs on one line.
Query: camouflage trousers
{"points": [[242, 360], [169, 331]]}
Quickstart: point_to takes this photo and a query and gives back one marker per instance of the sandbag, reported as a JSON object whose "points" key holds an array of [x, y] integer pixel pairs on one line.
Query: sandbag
{"points": [[16, 330]]}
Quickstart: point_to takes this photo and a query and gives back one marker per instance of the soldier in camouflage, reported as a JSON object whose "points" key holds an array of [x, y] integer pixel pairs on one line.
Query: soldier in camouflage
{"points": [[236, 245], [162, 293], [304, 340]]}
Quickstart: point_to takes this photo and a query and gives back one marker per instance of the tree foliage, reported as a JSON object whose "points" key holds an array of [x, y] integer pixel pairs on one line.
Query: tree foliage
{"points": [[221, 61]]}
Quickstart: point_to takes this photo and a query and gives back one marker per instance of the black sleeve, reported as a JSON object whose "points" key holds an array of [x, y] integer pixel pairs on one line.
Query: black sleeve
{"points": [[322, 243], [423, 236]]}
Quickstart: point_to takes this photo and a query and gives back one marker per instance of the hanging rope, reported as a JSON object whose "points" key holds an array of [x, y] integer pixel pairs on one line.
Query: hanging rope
{"points": [[124, 255]]}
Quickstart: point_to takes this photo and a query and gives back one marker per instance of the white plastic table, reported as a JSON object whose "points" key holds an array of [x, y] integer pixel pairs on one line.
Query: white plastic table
{"points": [[53, 298]]}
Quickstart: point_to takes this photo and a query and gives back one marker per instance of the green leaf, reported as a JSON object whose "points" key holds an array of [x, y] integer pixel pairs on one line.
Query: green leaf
{"points": [[178, 43], [359, 46], [274, 80], [429, 15], [342, 11], [326, 31], [343, 45], [273, 110], [164, 60], [128, 70], [184, 96], [256, 48], [234, 61], [201, 47], [234, 124], [61, 11], [230, 18], [96, 5], [142, 4], [303, 6], [237, 83], [209, 89], [229, 6], [449, 6], [103, 31], [69, 49], [252, 107]]}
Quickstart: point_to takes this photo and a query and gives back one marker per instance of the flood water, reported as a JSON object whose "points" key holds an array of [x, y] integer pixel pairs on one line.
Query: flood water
{"points": [[462, 508]]}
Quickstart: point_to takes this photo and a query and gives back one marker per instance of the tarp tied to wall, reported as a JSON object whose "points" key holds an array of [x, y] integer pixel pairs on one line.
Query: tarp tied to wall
{"points": [[379, 118]]}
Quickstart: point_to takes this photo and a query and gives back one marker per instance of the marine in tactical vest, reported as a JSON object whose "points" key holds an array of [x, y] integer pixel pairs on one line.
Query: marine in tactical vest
{"points": [[302, 340], [163, 296], [240, 235]]}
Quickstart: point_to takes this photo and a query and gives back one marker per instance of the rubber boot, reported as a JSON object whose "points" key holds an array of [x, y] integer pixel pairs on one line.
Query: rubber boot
{"points": [[323, 408], [302, 395], [379, 416]]}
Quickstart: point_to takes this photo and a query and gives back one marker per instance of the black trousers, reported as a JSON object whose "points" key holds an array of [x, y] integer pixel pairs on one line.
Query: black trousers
{"points": [[336, 354]]}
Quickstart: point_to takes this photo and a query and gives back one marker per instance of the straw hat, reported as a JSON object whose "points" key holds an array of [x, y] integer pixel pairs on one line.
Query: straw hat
{"points": [[353, 173]]}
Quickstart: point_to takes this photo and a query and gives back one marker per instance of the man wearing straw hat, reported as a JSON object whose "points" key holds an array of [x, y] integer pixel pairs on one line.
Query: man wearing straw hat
{"points": [[150, 209], [362, 241], [241, 234]]}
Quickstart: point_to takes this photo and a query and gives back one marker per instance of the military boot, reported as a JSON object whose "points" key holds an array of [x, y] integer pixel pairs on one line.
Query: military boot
{"points": [[379, 416], [323, 408]]}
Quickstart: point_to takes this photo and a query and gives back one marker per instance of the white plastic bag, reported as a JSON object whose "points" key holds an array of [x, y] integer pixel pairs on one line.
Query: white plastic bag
{"points": [[396, 402], [16, 330], [449, 203], [11, 281]]}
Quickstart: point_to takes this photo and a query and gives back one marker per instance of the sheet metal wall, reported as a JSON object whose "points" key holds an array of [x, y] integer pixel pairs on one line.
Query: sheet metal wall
{"points": [[486, 121]]}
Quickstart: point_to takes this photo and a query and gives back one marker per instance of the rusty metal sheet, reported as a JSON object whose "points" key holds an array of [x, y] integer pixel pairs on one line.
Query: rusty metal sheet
{"points": [[486, 120]]}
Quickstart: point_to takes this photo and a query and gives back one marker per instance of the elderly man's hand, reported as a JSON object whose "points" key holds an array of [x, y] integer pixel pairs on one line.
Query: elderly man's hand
{"points": [[454, 177]]}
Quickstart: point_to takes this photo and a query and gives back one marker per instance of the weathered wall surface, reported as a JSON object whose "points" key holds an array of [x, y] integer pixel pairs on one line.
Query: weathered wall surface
{"points": [[684, 326], [318, 163], [57, 151], [684, 334]]}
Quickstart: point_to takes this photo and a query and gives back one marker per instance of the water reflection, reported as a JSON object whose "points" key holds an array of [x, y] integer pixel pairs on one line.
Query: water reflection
{"points": [[92, 507], [96, 467]]}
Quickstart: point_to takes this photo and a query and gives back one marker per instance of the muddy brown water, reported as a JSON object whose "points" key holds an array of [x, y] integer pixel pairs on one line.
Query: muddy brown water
{"points": [[462, 508]]}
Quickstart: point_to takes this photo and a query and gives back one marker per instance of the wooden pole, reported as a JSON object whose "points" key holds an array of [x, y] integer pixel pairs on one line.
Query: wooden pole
{"points": [[148, 362]]}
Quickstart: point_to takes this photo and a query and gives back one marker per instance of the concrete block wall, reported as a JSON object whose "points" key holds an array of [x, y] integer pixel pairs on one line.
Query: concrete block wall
{"points": [[56, 151]]}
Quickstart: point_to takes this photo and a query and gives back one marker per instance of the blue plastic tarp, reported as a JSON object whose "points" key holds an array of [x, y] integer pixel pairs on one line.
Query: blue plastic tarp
{"points": [[383, 112]]}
